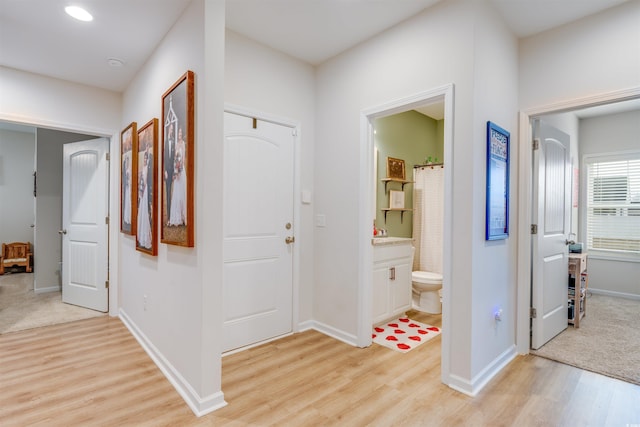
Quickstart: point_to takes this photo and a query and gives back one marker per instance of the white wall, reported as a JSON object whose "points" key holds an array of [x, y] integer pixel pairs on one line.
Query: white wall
{"points": [[48, 251], [595, 55], [16, 186], [172, 302], [267, 81], [460, 42], [494, 262], [602, 135], [37, 100]]}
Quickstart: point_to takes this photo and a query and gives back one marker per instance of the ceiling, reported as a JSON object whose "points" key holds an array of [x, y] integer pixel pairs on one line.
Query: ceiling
{"points": [[37, 36]]}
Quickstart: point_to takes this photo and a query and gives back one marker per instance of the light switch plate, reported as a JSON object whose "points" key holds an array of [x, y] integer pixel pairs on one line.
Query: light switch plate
{"points": [[306, 197]]}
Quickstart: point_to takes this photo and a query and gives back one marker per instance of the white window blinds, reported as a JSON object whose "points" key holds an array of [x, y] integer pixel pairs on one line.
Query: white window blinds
{"points": [[613, 204]]}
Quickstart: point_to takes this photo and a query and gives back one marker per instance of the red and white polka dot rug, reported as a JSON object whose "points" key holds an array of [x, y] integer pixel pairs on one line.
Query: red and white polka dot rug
{"points": [[403, 334]]}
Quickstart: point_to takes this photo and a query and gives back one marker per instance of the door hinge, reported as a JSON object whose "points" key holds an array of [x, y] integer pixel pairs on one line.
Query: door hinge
{"points": [[536, 144], [534, 228], [106, 220], [533, 313], [106, 284], [107, 156]]}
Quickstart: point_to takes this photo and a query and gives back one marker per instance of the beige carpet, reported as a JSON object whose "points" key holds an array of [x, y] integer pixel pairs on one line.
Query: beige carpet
{"points": [[607, 341], [21, 308]]}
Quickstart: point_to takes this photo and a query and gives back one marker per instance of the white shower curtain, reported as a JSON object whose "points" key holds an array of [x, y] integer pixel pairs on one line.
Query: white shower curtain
{"points": [[428, 212]]}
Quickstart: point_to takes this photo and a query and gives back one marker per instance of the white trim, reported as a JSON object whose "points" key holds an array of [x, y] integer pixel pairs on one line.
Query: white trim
{"points": [[607, 257], [471, 388], [247, 347], [615, 294], [200, 406], [367, 207], [296, 129], [337, 333], [524, 198], [47, 289], [611, 156], [305, 326]]}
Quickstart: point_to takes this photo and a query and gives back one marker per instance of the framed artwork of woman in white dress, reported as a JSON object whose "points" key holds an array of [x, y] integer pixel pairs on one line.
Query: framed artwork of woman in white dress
{"points": [[128, 140], [177, 163], [147, 178]]}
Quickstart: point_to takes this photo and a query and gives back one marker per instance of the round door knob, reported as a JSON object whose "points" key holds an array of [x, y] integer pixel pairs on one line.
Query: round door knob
{"points": [[62, 231]]}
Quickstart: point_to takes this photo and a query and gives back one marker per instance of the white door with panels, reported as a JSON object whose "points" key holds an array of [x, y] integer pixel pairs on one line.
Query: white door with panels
{"points": [[552, 220], [84, 224], [258, 230]]}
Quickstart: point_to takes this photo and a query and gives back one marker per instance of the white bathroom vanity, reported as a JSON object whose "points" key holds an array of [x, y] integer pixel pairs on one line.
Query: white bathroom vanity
{"points": [[392, 259]]}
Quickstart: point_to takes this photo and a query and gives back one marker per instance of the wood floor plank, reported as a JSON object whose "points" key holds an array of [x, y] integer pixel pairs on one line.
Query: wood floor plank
{"points": [[94, 373]]}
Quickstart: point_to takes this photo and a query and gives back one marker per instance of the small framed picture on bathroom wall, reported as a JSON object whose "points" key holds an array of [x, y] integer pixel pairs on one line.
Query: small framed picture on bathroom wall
{"points": [[497, 202], [396, 199], [395, 169]]}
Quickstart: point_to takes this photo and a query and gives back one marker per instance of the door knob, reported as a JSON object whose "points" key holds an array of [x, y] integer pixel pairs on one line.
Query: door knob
{"points": [[289, 239], [62, 231], [569, 242]]}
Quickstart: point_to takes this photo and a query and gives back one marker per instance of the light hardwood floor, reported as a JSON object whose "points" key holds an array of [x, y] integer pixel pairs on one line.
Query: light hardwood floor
{"points": [[93, 372]]}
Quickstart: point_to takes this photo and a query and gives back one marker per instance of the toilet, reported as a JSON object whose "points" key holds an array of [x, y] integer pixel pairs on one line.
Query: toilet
{"points": [[426, 287], [426, 291]]}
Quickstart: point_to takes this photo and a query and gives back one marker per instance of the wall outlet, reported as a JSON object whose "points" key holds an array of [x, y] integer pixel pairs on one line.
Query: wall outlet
{"points": [[321, 220]]}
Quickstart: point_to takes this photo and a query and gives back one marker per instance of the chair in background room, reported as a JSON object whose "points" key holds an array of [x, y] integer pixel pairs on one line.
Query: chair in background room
{"points": [[16, 254]]}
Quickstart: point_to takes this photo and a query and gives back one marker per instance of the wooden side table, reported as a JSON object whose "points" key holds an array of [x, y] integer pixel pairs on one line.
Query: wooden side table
{"points": [[578, 293]]}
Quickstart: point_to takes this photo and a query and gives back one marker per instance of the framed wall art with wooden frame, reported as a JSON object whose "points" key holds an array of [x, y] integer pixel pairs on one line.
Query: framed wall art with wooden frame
{"points": [[147, 206], [178, 162], [128, 147], [395, 169]]}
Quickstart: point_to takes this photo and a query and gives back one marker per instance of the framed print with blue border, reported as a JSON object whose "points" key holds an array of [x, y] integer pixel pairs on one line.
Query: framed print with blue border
{"points": [[497, 215]]}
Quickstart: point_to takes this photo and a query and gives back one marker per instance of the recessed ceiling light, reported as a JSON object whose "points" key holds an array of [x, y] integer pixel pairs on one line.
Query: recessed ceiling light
{"points": [[115, 62], [78, 13]]}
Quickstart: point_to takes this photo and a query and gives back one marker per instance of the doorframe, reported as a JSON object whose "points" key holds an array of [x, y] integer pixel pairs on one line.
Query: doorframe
{"points": [[367, 205], [525, 194], [297, 199], [113, 272]]}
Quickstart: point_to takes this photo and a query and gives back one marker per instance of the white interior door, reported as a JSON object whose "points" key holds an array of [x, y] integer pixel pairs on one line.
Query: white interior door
{"points": [[84, 226], [552, 215], [258, 230]]}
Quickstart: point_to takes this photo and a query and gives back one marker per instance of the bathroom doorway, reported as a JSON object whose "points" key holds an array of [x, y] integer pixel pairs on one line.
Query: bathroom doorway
{"points": [[442, 98]]}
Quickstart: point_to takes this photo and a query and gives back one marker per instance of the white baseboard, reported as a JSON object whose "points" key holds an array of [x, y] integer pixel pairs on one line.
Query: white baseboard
{"points": [[200, 406], [47, 289], [614, 294], [475, 385], [305, 326], [333, 332]]}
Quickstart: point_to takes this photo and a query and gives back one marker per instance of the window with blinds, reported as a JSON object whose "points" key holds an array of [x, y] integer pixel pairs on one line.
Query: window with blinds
{"points": [[613, 204]]}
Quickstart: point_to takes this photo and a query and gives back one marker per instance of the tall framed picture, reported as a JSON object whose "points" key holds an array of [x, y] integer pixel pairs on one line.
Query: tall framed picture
{"points": [[128, 142], [147, 206], [497, 202], [177, 162]]}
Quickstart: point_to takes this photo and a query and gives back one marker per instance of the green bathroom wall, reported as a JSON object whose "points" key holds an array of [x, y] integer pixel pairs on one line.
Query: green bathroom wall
{"points": [[412, 137]]}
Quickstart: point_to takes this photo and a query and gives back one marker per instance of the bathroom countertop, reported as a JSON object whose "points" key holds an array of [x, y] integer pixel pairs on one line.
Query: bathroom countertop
{"points": [[390, 240]]}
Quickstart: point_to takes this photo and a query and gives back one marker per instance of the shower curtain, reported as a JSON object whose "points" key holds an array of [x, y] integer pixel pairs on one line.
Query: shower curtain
{"points": [[428, 212]]}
